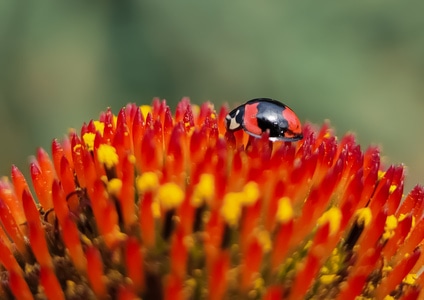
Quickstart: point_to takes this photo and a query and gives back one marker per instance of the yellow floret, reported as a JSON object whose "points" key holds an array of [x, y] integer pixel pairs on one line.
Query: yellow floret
{"points": [[327, 279], [170, 195], [333, 216], [106, 155], [251, 193], [204, 190], [155, 209], [284, 210], [364, 216], [145, 110], [114, 186], [389, 228], [392, 188], [264, 240], [77, 147], [146, 182], [231, 208], [100, 127], [89, 140], [410, 279]]}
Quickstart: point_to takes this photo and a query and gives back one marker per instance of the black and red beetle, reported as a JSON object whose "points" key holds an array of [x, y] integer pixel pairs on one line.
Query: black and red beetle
{"points": [[263, 114]]}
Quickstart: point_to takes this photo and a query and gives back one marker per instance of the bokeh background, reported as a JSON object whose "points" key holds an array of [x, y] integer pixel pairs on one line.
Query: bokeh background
{"points": [[359, 64]]}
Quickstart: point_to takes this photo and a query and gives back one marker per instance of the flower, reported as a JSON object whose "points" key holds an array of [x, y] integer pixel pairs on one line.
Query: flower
{"points": [[150, 205]]}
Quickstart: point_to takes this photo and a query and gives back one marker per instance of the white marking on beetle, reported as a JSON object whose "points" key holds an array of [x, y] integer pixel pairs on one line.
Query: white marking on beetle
{"points": [[233, 125]]}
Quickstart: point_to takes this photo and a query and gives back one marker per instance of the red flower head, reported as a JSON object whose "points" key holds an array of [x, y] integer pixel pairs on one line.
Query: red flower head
{"points": [[153, 205]]}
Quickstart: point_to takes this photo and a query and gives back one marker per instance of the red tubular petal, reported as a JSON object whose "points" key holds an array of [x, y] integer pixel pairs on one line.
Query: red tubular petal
{"points": [[274, 293], [395, 277], [413, 202], [304, 277], [109, 128], [146, 219], [95, 272], [59, 201], [393, 201], [46, 165], [352, 287], [77, 155], [281, 244], [41, 186], [380, 196], [19, 182], [67, 176], [19, 286], [11, 199], [7, 259], [134, 264], [50, 283], [125, 293], [372, 233], [173, 288], [126, 195], [217, 282], [12, 228], [57, 154], [252, 258], [36, 232], [72, 241], [168, 125], [149, 158], [401, 231], [178, 255], [137, 136], [415, 238], [249, 222]]}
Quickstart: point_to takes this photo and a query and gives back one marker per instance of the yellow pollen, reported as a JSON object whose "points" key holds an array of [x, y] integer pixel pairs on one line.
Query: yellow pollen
{"points": [[380, 174], [327, 279], [156, 210], [264, 240], [402, 217], [231, 208], [195, 109], [284, 210], [392, 188], [258, 283], [389, 228], [387, 269], [100, 127], [132, 158], [204, 190], [114, 186], [145, 110], [364, 216], [333, 216], [213, 115], [327, 135], [77, 146], [89, 140], [170, 195], [251, 193], [410, 279], [147, 181], [388, 298], [106, 155]]}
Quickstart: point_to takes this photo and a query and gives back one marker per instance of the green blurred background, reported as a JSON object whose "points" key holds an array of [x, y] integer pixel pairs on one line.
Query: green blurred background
{"points": [[359, 64]]}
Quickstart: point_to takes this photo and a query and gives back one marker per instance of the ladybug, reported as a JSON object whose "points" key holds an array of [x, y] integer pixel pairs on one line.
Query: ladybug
{"points": [[263, 114]]}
